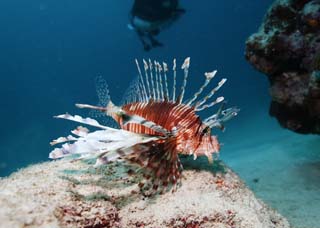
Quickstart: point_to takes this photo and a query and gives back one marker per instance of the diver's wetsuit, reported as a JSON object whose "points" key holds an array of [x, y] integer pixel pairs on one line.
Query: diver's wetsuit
{"points": [[154, 10], [147, 17]]}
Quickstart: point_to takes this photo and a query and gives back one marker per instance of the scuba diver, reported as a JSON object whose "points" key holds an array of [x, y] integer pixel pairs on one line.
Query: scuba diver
{"points": [[149, 17]]}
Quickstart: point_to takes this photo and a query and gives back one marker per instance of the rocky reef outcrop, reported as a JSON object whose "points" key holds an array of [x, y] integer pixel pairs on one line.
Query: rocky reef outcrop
{"points": [[64, 194], [287, 49]]}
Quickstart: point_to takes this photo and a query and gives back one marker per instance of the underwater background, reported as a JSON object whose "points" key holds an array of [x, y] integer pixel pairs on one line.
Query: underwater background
{"points": [[52, 51]]}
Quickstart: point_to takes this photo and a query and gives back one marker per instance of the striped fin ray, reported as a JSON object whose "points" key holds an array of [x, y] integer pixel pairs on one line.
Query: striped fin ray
{"points": [[218, 100], [149, 124], [142, 85], [155, 85], [145, 64], [174, 80], [116, 112], [157, 80], [152, 81], [160, 81], [216, 115], [185, 68], [165, 70], [212, 92], [222, 115], [209, 76]]}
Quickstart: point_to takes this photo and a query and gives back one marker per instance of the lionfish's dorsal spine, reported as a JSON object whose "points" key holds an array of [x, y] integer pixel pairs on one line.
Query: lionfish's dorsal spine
{"points": [[157, 90], [160, 81], [156, 83], [218, 100], [174, 68], [185, 68], [145, 65], [144, 91], [212, 92], [151, 88], [165, 70], [152, 82], [209, 76]]}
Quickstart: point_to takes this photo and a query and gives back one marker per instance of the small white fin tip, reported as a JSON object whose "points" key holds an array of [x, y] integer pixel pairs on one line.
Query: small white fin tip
{"points": [[210, 75]]}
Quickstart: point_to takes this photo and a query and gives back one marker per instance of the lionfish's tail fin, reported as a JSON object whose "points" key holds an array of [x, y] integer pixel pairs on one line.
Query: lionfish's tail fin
{"points": [[159, 163], [218, 119]]}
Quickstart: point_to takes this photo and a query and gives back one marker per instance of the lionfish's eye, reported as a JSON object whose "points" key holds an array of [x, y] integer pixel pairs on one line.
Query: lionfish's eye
{"points": [[206, 130]]}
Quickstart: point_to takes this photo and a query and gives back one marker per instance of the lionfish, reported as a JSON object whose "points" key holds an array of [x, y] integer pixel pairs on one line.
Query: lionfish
{"points": [[155, 127]]}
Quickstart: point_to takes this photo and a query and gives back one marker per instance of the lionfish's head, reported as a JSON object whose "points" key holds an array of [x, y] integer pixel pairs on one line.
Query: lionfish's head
{"points": [[200, 142]]}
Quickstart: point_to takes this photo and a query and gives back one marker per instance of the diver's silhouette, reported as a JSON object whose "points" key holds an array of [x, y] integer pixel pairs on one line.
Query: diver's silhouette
{"points": [[149, 17]]}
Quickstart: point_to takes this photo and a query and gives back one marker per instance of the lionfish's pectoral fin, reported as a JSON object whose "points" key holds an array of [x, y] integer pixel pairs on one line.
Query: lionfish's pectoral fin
{"points": [[223, 115], [79, 119], [142, 121], [120, 115], [100, 144]]}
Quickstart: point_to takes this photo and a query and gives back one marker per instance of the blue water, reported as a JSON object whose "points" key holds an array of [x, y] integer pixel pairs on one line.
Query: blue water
{"points": [[51, 51]]}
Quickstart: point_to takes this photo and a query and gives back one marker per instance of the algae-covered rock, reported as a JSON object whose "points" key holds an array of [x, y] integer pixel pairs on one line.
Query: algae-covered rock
{"points": [[71, 194]]}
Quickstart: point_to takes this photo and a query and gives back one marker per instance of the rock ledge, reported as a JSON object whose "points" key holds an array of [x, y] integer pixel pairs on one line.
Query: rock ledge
{"points": [[65, 194]]}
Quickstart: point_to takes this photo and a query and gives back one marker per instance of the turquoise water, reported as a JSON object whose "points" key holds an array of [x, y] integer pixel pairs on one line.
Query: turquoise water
{"points": [[52, 51], [282, 168]]}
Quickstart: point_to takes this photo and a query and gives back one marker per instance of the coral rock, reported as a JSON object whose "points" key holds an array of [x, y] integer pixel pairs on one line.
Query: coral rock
{"points": [[287, 49]]}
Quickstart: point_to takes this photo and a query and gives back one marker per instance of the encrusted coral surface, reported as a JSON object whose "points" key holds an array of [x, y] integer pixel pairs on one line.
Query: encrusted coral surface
{"points": [[64, 194], [287, 49]]}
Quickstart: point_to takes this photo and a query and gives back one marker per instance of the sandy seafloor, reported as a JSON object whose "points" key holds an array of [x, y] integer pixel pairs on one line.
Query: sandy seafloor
{"points": [[281, 167]]}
